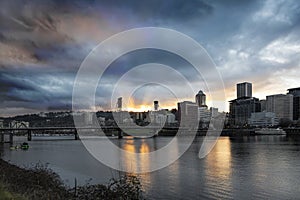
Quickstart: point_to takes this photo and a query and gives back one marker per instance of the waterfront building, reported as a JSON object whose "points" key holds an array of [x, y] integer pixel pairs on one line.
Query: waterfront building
{"points": [[263, 105], [244, 90], [214, 112], [188, 113], [201, 99], [160, 119], [204, 115], [122, 117], [240, 110], [88, 118], [281, 105], [157, 117], [170, 118], [296, 102], [263, 119], [162, 116]]}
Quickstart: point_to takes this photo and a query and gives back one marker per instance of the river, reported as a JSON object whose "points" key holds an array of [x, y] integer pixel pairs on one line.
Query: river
{"points": [[251, 167]]}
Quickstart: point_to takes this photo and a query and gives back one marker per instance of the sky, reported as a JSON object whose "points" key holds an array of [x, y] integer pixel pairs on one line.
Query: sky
{"points": [[43, 44]]}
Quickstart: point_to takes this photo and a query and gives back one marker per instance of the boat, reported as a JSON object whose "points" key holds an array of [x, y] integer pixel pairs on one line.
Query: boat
{"points": [[270, 131], [25, 146]]}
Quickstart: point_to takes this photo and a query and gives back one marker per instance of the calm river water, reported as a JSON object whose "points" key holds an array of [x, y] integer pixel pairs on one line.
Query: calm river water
{"points": [[253, 167]]}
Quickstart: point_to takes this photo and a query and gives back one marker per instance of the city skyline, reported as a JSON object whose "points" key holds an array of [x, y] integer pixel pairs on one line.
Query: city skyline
{"points": [[131, 107], [43, 44]]}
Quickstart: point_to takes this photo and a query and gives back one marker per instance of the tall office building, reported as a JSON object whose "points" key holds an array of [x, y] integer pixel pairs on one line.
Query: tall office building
{"points": [[119, 104], [201, 99], [244, 90], [156, 106], [188, 113], [281, 105], [263, 105], [296, 102], [240, 110]]}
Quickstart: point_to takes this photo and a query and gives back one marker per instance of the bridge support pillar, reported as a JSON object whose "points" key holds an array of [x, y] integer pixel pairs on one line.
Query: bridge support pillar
{"points": [[29, 135], [120, 134], [11, 137], [2, 137], [76, 135]]}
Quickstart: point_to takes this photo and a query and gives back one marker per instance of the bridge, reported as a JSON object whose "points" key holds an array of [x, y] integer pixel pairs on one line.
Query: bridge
{"points": [[108, 130]]}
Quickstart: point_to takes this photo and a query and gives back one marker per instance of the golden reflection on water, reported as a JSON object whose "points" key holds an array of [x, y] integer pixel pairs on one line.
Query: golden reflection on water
{"points": [[129, 146], [142, 162], [136, 158], [219, 160], [136, 162], [144, 148]]}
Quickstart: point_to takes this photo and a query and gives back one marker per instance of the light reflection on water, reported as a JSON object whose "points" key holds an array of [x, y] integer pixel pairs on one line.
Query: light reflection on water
{"points": [[219, 161], [237, 168], [133, 162]]}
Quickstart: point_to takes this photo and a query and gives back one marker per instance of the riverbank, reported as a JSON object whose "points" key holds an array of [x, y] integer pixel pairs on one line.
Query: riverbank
{"points": [[42, 183], [5, 195]]}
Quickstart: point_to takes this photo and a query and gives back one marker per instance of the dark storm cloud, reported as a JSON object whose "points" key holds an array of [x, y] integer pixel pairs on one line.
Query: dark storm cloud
{"points": [[39, 31], [42, 44], [138, 57], [34, 89], [8, 82], [163, 10]]}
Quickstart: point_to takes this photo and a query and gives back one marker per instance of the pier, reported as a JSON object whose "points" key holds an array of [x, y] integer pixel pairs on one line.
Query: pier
{"points": [[292, 131]]}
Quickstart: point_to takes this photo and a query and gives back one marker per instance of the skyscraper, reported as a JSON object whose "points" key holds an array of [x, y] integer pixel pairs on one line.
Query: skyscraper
{"points": [[263, 105], [240, 110], [281, 105], [244, 90], [296, 102], [119, 104], [188, 113], [155, 105], [201, 99]]}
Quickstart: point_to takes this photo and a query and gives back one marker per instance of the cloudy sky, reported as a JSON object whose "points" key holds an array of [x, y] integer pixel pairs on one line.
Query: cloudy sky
{"points": [[43, 43]]}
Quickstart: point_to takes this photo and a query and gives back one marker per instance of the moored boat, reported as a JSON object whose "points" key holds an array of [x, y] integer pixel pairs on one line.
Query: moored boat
{"points": [[25, 146], [270, 131]]}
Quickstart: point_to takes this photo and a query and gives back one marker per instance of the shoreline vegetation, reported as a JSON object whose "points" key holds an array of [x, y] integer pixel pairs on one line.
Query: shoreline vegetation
{"points": [[40, 183]]}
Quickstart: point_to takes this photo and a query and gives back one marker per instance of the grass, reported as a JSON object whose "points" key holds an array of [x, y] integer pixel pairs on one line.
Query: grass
{"points": [[6, 195]]}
